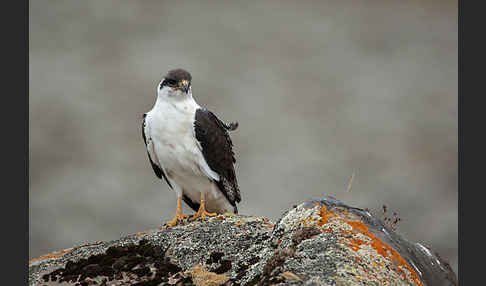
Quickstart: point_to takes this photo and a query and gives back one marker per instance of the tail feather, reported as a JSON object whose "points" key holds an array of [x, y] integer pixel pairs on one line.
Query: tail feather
{"points": [[231, 126]]}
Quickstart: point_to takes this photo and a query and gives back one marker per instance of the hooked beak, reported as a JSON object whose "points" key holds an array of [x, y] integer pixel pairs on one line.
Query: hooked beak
{"points": [[183, 85]]}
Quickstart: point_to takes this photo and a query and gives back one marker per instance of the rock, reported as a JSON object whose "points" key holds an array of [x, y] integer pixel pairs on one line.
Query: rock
{"points": [[202, 277], [319, 242], [290, 276]]}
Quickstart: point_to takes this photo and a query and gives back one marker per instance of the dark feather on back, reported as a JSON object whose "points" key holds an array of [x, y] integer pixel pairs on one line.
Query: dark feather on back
{"points": [[217, 150]]}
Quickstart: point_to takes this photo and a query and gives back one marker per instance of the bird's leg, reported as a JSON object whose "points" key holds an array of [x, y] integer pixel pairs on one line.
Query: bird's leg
{"points": [[202, 213], [179, 216]]}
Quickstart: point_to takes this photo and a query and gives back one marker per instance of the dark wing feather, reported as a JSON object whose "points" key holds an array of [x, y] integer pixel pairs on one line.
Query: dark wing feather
{"points": [[158, 171], [217, 149]]}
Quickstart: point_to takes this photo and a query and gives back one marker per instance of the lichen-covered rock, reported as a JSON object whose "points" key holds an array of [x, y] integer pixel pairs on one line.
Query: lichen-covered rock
{"points": [[319, 242]]}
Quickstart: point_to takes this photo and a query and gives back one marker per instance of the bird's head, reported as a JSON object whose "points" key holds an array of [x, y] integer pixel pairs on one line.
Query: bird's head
{"points": [[176, 85]]}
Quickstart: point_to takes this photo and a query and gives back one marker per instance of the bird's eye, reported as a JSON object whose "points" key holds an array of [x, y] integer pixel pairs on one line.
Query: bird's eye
{"points": [[171, 82], [168, 82]]}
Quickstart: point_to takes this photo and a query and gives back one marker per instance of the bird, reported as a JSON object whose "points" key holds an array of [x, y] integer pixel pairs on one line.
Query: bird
{"points": [[189, 147]]}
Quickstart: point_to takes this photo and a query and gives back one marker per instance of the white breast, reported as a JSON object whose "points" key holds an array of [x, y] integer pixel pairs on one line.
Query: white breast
{"points": [[172, 132]]}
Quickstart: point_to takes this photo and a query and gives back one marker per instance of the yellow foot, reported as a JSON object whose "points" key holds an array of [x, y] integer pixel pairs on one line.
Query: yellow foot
{"points": [[177, 218], [202, 213]]}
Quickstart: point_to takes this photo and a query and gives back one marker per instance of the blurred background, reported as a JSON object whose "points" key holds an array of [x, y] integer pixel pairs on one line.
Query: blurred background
{"points": [[321, 89]]}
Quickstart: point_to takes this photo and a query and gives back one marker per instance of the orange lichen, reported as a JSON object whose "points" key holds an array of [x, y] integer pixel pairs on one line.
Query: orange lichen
{"points": [[54, 254], [238, 223], [384, 250], [355, 243], [325, 216]]}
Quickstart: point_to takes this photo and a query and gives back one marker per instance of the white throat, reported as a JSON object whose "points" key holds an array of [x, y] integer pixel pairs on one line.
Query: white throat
{"points": [[175, 100]]}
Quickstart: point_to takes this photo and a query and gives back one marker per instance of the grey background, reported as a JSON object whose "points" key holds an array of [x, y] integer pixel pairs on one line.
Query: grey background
{"points": [[320, 89]]}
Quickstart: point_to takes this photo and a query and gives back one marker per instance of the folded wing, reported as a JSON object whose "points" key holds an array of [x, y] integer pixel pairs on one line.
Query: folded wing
{"points": [[217, 149]]}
